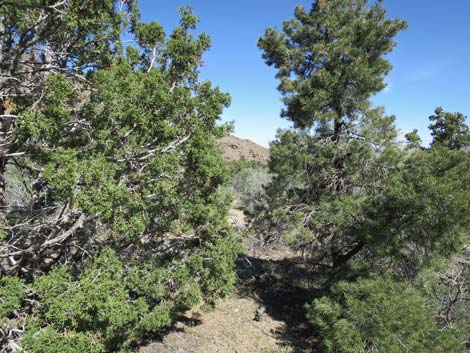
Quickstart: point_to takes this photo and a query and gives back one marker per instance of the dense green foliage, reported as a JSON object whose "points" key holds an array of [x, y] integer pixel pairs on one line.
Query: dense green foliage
{"points": [[358, 204], [421, 211], [125, 226], [330, 61], [379, 315], [52, 341], [449, 129], [12, 294], [123, 303], [121, 223]]}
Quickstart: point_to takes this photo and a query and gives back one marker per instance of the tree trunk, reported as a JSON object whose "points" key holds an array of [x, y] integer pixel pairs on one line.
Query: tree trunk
{"points": [[2, 183], [340, 260], [4, 127], [3, 135]]}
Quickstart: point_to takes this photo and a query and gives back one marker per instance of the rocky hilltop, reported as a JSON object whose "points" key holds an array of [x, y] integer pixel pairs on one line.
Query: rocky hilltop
{"points": [[234, 148]]}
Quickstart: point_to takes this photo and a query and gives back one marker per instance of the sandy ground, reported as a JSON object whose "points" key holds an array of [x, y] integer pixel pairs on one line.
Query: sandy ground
{"points": [[266, 287], [230, 328]]}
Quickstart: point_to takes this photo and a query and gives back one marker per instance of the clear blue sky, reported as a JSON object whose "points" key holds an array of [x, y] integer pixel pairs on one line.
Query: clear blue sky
{"points": [[431, 62]]}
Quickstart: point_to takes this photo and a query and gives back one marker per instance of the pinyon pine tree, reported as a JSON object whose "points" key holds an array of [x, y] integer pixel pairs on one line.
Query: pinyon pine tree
{"points": [[329, 61], [449, 129], [342, 186], [357, 204]]}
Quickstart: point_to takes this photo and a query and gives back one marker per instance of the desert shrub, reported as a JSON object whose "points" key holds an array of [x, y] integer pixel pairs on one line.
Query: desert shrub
{"points": [[379, 315], [49, 340], [247, 182], [447, 285], [12, 294], [116, 304]]}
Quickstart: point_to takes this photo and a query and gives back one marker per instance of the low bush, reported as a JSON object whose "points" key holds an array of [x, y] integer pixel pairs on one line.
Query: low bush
{"points": [[11, 295], [113, 305], [247, 182], [380, 315]]}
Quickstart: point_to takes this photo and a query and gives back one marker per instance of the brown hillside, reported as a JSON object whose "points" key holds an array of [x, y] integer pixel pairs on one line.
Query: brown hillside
{"points": [[234, 149]]}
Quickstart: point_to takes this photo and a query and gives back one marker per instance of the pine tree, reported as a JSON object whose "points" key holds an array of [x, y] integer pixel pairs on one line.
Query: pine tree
{"points": [[346, 194], [449, 129], [342, 186], [330, 61]]}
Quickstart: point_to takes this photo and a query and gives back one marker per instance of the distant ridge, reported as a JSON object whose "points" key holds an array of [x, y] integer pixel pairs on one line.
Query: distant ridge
{"points": [[234, 149]]}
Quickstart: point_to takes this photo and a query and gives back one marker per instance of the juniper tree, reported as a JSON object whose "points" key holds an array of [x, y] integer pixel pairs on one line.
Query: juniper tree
{"points": [[131, 150], [125, 176], [39, 38]]}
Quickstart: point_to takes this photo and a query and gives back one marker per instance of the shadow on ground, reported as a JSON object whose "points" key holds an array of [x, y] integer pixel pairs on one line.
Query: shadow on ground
{"points": [[273, 282], [281, 286]]}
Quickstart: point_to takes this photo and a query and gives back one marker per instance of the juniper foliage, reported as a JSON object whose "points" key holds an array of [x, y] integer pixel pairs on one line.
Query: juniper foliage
{"points": [[125, 226]]}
